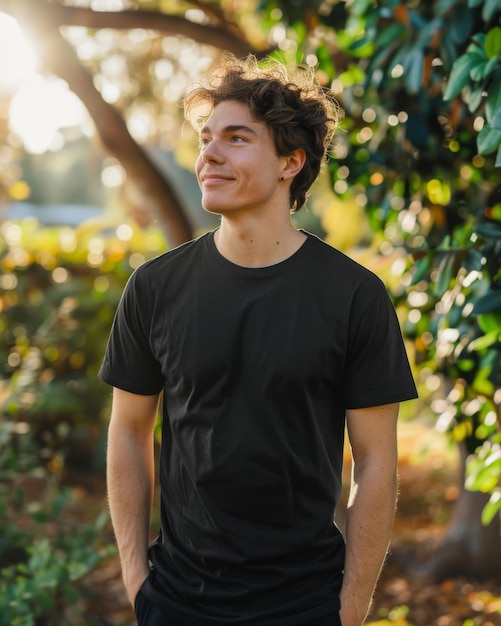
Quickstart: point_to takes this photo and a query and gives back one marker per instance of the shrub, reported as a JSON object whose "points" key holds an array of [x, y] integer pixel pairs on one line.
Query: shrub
{"points": [[44, 556], [59, 291]]}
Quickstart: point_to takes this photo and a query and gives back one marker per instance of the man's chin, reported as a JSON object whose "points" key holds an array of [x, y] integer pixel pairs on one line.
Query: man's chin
{"points": [[215, 209]]}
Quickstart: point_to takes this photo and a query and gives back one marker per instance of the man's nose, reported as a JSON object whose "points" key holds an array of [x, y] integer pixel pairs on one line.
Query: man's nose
{"points": [[212, 152]]}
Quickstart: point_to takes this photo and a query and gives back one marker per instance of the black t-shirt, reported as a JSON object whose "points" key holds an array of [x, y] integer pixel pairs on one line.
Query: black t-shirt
{"points": [[258, 366]]}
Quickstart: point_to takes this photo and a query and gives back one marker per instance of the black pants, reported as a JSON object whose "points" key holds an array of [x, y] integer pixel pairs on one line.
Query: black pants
{"points": [[149, 615]]}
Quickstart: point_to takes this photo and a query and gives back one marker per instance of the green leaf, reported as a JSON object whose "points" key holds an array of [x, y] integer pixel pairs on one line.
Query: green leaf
{"points": [[484, 470], [489, 322], [486, 341], [359, 7], [421, 268], [474, 3], [460, 75], [489, 230], [492, 507], [498, 158], [475, 97], [445, 273], [489, 303], [496, 120], [414, 70], [476, 47], [489, 9], [477, 72], [444, 6], [488, 139], [493, 102], [494, 460], [490, 67], [492, 44], [466, 365], [362, 48], [389, 35], [473, 260]]}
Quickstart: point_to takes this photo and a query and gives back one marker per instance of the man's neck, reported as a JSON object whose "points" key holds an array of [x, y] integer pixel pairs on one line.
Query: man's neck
{"points": [[257, 245]]}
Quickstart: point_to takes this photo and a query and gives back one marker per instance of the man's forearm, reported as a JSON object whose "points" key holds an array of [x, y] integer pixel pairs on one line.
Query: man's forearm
{"points": [[369, 525], [130, 480]]}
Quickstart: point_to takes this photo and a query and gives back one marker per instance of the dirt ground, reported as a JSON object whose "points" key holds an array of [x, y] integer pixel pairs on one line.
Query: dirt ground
{"points": [[428, 489]]}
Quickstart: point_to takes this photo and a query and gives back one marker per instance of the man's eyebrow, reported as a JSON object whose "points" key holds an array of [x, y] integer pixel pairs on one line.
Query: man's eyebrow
{"points": [[230, 129]]}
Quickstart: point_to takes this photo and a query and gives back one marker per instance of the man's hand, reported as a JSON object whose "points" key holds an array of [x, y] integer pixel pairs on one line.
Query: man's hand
{"points": [[133, 580]]}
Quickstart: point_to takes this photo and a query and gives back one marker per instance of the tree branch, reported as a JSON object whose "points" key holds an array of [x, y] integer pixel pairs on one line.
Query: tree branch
{"points": [[59, 57], [210, 34]]}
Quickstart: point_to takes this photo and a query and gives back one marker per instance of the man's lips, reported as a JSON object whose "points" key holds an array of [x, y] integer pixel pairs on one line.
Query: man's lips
{"points": [[208, 179]]}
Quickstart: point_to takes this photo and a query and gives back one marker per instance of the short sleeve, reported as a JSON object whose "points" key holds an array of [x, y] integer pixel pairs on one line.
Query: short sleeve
{"points": [[377, 367], [129, 362]]}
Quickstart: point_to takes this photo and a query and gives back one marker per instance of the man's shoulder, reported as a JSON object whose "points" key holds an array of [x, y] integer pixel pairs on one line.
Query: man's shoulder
{"points": [[335, 262], [178, 255]]}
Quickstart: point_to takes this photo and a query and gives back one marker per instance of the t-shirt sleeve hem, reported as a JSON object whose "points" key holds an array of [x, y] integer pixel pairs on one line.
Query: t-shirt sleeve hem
{"points": [[137, 387], [378, 399]]}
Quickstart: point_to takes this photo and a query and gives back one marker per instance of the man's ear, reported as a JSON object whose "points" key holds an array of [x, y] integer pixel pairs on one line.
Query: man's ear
{"points": [[294, 164]]}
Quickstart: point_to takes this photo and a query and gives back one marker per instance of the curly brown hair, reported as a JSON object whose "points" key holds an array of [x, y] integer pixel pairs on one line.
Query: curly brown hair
{"points": [[298, 111]]}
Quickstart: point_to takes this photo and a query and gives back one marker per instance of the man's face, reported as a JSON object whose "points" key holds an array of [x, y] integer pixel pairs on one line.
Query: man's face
{"points": [[238, 168]]}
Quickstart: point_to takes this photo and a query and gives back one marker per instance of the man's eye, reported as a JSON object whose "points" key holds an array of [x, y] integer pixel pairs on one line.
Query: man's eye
{"points": [[204, 141], [237, 138]]}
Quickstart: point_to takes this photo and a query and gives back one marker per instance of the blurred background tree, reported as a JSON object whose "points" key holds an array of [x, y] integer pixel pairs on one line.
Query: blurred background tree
{"points": [[413, 190]]}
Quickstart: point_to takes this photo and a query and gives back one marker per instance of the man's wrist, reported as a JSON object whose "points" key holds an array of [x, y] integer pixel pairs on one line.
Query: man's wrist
{"points": [[133, 580], [353, 612]]}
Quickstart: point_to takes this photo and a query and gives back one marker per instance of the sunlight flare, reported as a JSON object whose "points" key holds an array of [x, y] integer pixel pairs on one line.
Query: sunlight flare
{"points": [[39, 107]]}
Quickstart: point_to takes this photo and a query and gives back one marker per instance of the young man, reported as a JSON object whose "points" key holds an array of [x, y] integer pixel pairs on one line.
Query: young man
{"points": [[265, 342]]}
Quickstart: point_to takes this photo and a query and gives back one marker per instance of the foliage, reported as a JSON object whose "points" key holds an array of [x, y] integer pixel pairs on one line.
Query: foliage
{"points": [[484, 474], [420, 85], [60, 289], [42, 564]]}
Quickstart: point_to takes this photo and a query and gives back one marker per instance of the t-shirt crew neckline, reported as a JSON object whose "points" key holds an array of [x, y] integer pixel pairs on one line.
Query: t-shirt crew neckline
{"points": [[258, 271]]}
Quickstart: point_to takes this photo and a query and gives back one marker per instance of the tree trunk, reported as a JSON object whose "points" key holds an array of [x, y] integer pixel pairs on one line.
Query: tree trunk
{"points": [[468, 548], [57, 56]]}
